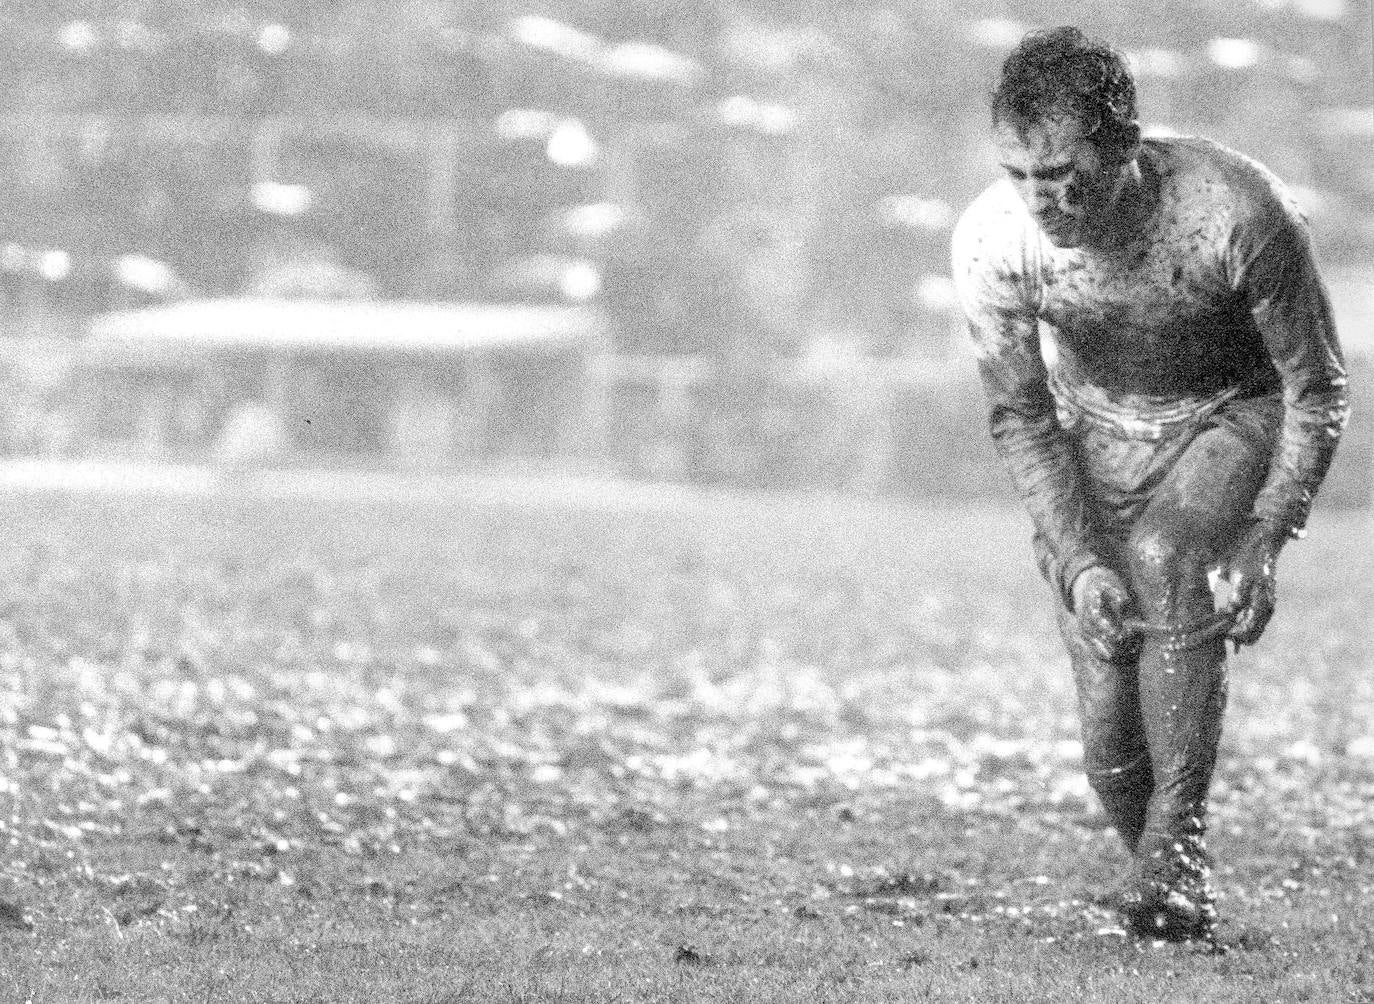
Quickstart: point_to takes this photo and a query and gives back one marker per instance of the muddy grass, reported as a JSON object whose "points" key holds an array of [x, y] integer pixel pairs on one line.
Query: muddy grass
{"points": [[720, 750]]}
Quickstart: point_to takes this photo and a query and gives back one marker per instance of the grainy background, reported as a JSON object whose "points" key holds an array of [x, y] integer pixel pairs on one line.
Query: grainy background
{"points": [[496, 507]]}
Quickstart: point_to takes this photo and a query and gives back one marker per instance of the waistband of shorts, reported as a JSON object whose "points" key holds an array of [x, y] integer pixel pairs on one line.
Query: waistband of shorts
{"points": [[1140, 421]]}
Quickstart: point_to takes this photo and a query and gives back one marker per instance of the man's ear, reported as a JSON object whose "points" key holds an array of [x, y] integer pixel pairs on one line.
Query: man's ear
{"points": [[1129, 146]]}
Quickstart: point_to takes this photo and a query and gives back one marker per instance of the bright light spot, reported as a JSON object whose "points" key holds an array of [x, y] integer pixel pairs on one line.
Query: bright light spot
{"points": [[915, 211], [1305, 752], [744, 112], [595, 219], [546, 773], [1234, 53], [737, 111], [526, 123], [1362, 747], [55, 265], [445, 723], [79, 36], [580, 281], [281, 200], [997, 32], [548, 35], [775, 120], [572, 146], [1068, 749], [936, 292], [1161, 130], [1158, 63], [274, 38], [141, 272], [650, 62], [1322, 10], [1049, 348]]}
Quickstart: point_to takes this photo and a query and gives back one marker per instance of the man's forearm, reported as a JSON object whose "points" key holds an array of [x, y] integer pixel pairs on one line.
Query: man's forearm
{"points": [[1312, 427], [1292, 312], [1045, 474]]}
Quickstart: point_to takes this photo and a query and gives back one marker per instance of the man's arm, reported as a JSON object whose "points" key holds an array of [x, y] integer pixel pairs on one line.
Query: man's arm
{"points": [[989, 270], [1289, 304], [1027, 435], [988, 267], [1292, 312]]}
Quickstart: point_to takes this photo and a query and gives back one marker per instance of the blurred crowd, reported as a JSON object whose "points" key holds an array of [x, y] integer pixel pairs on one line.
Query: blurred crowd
{"points": [[697, 167], [746, 180]]}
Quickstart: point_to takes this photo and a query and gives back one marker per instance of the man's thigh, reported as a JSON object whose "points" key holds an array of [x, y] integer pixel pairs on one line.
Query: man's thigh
{"points": [[1206, 499]]}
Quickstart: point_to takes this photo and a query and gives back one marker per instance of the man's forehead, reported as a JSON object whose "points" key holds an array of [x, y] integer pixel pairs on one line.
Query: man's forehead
{"points": [[1049, 139]]}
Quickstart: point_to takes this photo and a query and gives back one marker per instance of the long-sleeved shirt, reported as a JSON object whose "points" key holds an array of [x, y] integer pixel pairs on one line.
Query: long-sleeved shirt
{"points": [[1216, 296]]}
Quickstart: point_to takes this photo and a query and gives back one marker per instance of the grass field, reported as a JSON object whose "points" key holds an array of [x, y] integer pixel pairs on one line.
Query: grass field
{"points": [[703, 749]]}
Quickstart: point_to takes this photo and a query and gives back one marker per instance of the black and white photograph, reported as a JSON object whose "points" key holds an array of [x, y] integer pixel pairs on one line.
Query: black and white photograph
{"points": [[737, 501]]}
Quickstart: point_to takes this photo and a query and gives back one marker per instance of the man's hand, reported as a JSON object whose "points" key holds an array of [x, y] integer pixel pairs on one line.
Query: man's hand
{"points": [[1254, 588], [1101, 602]]}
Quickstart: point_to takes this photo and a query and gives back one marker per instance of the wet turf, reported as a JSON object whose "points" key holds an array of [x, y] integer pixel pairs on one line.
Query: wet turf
{"points": [[726, 750]]}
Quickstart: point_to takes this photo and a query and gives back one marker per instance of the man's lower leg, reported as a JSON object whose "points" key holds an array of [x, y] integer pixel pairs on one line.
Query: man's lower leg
{"points": [[1183, 695], [1124, 791]]}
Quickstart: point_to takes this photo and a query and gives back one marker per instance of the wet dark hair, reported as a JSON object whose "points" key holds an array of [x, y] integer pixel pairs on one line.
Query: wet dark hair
{"points": [[1062, 71]]}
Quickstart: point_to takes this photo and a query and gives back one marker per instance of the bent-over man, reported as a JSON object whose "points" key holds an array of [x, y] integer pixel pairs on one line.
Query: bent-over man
{"points": [[1179, 425]]}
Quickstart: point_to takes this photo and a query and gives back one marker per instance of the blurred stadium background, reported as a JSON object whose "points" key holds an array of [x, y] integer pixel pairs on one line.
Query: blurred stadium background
{"points": [[701, 241]]}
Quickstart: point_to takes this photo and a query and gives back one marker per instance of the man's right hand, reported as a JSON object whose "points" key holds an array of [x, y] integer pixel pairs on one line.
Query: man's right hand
{"points": [[1101, 602]]}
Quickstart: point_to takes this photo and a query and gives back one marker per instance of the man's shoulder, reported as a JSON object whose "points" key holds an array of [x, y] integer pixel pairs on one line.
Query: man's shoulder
{"points": [[993, 227], [1222, 183], [990, 251], [996, 207]]}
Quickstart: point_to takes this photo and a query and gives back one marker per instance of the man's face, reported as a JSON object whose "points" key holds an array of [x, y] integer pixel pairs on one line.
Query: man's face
{"points": [[1067, 182]]}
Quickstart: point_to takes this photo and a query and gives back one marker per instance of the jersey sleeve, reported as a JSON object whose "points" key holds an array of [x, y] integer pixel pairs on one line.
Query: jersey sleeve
{"points": [[995, 291], [1272, 266]]}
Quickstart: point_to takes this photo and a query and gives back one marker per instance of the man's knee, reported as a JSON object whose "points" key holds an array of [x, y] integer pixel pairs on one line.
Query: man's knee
{"points": [[1165, 556]]}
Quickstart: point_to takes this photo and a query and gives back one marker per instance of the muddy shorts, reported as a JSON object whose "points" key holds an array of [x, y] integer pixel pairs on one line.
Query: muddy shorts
{"points": [[1121, 471]]}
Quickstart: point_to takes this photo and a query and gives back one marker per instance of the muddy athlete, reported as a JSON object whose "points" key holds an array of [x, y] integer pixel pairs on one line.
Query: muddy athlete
{"points": [[1177, 422]]}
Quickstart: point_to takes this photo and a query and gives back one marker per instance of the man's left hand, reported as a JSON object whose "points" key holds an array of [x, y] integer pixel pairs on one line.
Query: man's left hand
{"points": [[1254, 587]]}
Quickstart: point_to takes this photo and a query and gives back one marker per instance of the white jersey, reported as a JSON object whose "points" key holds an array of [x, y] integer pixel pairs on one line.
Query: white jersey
{"points": [[1216, 297]]}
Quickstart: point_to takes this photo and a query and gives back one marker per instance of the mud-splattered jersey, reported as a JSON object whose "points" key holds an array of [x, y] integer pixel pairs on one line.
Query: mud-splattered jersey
{"points": [[1217, 296]]}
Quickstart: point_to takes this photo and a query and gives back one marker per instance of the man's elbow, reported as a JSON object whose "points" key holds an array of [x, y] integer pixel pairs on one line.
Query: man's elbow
{"points": [[1325, 402]]}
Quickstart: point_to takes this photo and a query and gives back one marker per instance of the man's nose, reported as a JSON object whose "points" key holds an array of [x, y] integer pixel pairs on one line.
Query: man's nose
{"points": [[1040, 197]]}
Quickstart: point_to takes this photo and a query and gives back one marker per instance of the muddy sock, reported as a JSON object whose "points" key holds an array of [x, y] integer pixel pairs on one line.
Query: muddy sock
{"points": [[1183, 697]]}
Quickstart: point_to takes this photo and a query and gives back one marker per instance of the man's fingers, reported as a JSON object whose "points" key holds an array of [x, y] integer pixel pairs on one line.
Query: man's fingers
{"points": [[1102, 600], [1106, 633], [1105, 641], [1108, 607], [1241, 592], [1250, 625], [1245, 631], [1252, 616]]}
